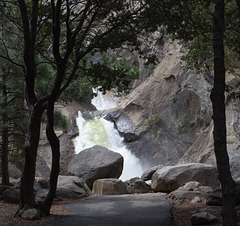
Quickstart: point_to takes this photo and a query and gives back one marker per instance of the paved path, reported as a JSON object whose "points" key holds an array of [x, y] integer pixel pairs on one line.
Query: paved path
{"points": [[119, 210]]}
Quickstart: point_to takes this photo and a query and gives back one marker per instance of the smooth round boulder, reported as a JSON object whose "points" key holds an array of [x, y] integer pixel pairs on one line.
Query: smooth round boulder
{"points": [[169, 178], [96, 163]]}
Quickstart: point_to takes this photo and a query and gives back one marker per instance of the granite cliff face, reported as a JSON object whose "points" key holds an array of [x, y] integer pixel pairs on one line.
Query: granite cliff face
{"points": [[167, 119]]}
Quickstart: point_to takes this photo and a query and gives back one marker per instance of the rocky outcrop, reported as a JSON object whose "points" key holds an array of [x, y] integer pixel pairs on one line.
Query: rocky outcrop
{"points": [[169, 178], [192, 192], [72, 187], [96, 163], [167, 118], [109, 186], [164, 116]]}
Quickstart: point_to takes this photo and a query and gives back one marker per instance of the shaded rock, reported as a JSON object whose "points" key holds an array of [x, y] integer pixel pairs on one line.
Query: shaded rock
{"points": [[169, 178], [30, 214], [215, 198], [41, 195], [42, 169], [11, 195], [13, 171], [96, 163], [147, 175], [3, 188], [72, 187], [137, 185], [203, 218], [67, 151], [180, 196], [43, 182], [109, 186]]}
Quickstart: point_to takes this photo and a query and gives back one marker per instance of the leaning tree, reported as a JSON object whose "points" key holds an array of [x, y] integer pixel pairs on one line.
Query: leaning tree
{"points": [[64, 34]]}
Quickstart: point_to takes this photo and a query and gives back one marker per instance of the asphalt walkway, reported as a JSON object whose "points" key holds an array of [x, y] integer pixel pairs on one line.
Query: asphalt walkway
{"points": [[119, 210]]}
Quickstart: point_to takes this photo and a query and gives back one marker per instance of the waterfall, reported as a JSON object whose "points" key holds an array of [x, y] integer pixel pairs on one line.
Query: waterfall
{"points": [[97, 130]]}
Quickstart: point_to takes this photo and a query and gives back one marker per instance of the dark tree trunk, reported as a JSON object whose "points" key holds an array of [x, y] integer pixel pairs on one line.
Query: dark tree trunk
{"points": [[219, 118], [4, 159], [28, 175], [5, 137], [54, 142]]}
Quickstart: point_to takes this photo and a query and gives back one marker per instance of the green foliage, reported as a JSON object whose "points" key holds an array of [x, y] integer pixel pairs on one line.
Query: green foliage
{"points": [[174, 98], [61, 121], [184, 130], [159, 132], [154, 124], [192, 21], [16, 157], [154, 120], [183, 124], [112, 72]]}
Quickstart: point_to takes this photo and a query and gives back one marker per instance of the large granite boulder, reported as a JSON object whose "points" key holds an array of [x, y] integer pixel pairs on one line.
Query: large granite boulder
{"points": [[109, 186], [96, 163], [169, 178], [72, 187]]}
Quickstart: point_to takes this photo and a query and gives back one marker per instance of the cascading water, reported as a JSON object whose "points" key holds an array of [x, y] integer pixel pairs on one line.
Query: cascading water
{"points": [[99, 131]]}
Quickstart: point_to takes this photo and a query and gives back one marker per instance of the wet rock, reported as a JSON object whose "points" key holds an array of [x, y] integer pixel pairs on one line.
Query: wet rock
{"points": [[109, 186], [96, 163], [169, 178]]}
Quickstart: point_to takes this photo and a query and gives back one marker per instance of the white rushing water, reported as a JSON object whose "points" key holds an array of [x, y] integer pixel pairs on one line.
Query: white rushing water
{"points": [[103, 102], [98, 131]]}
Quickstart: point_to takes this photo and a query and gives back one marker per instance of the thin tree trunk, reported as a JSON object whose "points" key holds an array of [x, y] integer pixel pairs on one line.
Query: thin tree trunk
{"points": [[55, 146], [219, 118], [5, 138]]}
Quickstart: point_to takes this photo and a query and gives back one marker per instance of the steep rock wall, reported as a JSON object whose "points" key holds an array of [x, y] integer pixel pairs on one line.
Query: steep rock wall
{"points": [[167, 119]]}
